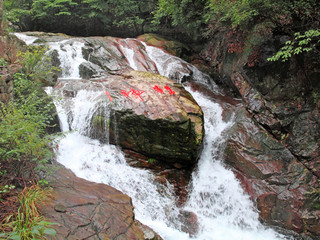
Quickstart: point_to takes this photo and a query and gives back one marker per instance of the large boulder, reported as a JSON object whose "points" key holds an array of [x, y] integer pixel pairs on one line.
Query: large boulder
{"points": [[144, 112], [167, 125]]}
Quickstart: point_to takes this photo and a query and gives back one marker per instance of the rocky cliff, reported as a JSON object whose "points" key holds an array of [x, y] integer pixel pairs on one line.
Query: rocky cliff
{"points": [[276, 153]]}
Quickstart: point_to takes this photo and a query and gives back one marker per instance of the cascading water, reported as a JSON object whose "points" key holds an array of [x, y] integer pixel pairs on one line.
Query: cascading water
{"points": [[224, 212], [27, 39], [70, 57]]}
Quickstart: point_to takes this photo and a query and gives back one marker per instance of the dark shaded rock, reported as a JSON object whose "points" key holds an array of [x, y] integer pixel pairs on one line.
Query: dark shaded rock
{"points": [[88, 70], [164, 172], [86, 210], [303, 139]]}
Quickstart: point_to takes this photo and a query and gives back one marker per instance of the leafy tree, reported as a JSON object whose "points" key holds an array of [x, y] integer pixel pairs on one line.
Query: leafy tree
{"points": [[49, 9], [301, 43], [83, 16], [131, 13], [18, 12], [24, 121], [186, 13]]}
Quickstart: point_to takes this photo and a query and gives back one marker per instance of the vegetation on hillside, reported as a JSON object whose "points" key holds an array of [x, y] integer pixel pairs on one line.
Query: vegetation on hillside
{"points": [[196, 19], [24, 148], [80, 17]]}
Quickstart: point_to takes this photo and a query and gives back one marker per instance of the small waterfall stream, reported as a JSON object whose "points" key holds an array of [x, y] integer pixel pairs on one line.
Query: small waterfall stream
{"points": [[223, 210], [70, 56]]}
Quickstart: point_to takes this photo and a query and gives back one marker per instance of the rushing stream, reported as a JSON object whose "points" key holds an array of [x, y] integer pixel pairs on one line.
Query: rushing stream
{"points": [[223, 210]]}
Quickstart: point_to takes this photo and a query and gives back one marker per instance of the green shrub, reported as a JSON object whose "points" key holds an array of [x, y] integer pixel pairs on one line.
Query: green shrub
{"points": [[37, 65], [305, 42], [25, 119], [28, 223], [24, 146]]}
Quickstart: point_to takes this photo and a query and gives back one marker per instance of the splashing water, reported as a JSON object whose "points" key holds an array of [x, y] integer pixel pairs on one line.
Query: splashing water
{"points": [[222, 208], [70, 56], [27, 39]]}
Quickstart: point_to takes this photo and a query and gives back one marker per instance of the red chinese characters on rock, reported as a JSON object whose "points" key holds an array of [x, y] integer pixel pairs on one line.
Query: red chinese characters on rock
{"points": [[171, 92], [137, 93], [108, 94], [157, 89], [125, 93], [133, 92], [160, 90]]}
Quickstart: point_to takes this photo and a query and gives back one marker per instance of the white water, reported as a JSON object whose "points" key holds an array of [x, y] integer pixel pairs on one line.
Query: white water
{"points": [[70, 56], [27, 39], [129, 55], [223, 210]]}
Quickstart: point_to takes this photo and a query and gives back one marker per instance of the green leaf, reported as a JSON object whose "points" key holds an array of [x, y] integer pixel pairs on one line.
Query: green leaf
{"points": [[15, 236], [35, 230], [50, 231], [63, 13]]}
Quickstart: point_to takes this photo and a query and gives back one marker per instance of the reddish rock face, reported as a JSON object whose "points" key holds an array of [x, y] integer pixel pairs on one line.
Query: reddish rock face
{"points": [[86, 210], [272, 176], [190, 222], [281, 98]]}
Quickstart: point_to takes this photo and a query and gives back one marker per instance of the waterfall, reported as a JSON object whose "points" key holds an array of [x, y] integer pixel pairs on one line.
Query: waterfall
{"points": [[215, 196], [27, 39], [223, 210], [69, 53], [70, 57]]}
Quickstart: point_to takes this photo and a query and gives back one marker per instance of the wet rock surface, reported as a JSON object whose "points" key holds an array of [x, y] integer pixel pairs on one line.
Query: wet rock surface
{"points": [[275, 156], [87, 210], [176, 175]]}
